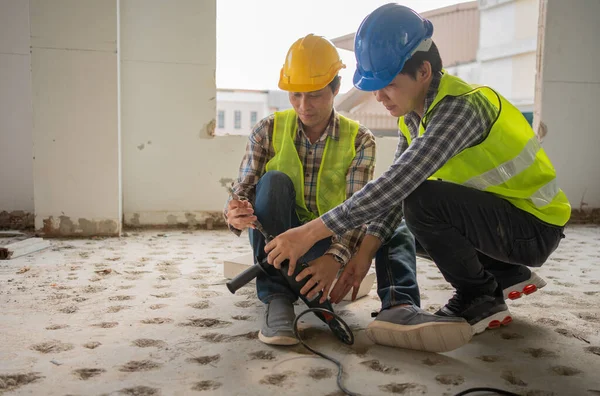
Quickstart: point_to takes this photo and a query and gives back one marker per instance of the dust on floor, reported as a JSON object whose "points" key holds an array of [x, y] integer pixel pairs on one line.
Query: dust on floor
{"points": [[149, 314]]}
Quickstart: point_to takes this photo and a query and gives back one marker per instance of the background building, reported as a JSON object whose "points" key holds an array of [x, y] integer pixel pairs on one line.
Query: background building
{"points": [[238, 110]]}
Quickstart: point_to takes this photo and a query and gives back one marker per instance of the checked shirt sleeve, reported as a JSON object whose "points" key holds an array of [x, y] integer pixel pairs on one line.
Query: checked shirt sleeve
{"points": [[454, 125]]}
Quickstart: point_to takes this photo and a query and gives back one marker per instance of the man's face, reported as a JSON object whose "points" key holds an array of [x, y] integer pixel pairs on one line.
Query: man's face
{"points": [[401, 96], [314, 108]]}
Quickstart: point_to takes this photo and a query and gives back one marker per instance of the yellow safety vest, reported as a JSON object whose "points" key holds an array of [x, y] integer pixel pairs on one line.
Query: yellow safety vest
{"points": [[509, 163], [337, 158]]}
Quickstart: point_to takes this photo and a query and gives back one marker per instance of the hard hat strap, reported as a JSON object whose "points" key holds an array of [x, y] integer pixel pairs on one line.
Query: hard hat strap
{"points": [[424, 46]]}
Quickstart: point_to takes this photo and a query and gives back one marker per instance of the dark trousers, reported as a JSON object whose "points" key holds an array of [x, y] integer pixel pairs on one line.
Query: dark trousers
{"points": [[476, 238]]}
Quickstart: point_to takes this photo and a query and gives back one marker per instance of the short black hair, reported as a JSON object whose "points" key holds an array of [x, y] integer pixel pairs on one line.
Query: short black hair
{"points": [[432, 55], [335, 83]]}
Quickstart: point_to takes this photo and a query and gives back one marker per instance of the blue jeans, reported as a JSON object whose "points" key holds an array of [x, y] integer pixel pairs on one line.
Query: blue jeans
{"points": [[275, 208], [396, 269]]}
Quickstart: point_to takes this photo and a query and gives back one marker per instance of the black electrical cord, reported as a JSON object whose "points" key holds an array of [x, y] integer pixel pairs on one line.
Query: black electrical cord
{"points": [[337, 363], [341, 368]]}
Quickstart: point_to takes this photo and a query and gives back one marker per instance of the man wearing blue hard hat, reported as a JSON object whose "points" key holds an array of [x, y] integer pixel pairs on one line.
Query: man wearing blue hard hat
{"points": [[470, 179]]}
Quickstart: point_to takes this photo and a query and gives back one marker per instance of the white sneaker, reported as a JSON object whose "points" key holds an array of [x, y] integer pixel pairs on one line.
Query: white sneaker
{"points": [[528, 286]]}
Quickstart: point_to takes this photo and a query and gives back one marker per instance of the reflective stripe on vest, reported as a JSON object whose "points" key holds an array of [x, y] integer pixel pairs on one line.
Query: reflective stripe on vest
{"points": [[509, 162], [494, 177], [331, 178]]}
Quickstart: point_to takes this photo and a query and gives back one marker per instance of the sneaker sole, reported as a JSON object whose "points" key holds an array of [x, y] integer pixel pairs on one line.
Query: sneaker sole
{"points": [[494, 321], [278, 340], [430, 337], [525, 288]]}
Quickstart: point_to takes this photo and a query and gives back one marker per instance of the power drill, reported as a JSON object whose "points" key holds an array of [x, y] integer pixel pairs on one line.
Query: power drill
{"points": [[325, 310]]}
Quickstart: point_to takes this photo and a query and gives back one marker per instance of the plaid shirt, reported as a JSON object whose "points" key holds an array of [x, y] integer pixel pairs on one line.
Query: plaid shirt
{"points": [[259, 151], [454, 125]]}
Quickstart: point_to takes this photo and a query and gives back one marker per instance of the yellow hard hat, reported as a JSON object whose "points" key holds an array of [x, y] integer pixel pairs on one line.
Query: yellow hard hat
{"points": [[311, 63]]}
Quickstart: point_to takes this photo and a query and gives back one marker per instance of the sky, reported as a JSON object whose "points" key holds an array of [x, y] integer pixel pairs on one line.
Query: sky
{"points": [[253, 36]]}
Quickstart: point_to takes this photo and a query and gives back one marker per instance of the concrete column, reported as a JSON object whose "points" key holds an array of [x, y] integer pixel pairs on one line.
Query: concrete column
{"points": [[172, 163], [568, 94], [16, 152], [75, 117]]}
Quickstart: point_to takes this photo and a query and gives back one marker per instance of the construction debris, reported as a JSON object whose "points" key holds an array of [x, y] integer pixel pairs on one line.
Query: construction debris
{"points": [[15, 244]]}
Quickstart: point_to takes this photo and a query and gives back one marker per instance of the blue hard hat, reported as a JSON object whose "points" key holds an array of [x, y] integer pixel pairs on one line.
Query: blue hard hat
{"points": [[385, 40]]}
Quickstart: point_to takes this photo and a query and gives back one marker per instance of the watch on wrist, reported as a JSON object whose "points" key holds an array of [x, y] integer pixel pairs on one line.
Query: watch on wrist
{"points": [[338, 259]]}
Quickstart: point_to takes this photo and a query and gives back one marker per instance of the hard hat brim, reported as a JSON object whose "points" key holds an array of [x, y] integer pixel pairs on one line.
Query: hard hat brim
{"points": [[300, 87], [369, 84]]}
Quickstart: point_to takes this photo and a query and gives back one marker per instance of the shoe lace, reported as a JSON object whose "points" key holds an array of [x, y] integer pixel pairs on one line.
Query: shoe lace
{"points": [[461, 301], [457, 302]]}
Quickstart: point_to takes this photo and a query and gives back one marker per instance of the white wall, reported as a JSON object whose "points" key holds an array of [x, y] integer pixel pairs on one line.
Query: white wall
{"points": [[523, 80], [171, 162], [498, 74], [470, 72], [75, 134], [570, 93], [386, 148], [16, 151], [507, 48], [497, 23]]}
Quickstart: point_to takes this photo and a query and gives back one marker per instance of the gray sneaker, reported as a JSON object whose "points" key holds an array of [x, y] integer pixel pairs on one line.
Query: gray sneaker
{"points": [[277, 327], [412, 328]]}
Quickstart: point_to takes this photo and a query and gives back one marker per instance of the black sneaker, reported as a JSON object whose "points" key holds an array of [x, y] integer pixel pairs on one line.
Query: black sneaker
{"points": [[482, 312]]}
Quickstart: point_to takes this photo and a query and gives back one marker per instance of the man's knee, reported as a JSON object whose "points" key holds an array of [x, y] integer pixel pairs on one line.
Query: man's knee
{"points": [[277, 180], [275, 176], [275, 195], [275, 185]]}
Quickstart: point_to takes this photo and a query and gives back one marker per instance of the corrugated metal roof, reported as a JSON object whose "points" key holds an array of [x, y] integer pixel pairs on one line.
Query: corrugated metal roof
{"points": [[456, 32]]}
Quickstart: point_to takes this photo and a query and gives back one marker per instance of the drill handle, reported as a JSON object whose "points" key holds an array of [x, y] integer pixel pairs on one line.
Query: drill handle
{"points": [[243, 278]]}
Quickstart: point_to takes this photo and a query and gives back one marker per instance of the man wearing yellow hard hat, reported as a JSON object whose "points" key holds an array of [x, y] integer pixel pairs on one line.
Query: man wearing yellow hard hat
{"points": [[299, 164]]}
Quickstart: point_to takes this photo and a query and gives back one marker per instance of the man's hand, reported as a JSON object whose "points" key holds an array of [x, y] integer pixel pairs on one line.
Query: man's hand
{"points": [[291, 245], [356, 269], [240, 214], [294, 243], [351, 278], [323, 271]]}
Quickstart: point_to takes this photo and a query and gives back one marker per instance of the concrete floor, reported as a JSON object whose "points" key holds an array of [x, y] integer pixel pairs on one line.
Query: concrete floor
{"points": [[148, 314]]}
